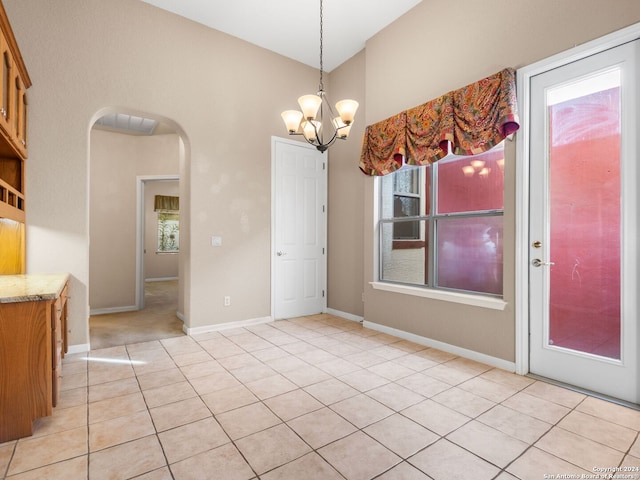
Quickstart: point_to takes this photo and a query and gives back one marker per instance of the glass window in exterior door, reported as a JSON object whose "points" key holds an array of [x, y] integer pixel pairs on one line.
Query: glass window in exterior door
{"points": [[585, 226]]}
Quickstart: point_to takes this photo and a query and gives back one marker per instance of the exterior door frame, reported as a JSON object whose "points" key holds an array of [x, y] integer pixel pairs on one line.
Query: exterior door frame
{"points": [[524, 76], [274, 141]]}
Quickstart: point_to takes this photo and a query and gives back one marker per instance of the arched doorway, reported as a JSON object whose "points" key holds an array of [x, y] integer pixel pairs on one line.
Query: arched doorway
{"points": [[129, 150]]}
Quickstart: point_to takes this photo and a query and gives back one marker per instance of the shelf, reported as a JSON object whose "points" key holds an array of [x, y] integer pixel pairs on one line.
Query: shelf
{"points": [[12, 203]]}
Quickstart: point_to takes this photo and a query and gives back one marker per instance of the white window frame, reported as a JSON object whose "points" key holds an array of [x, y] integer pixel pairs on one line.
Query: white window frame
{"points": [[473, 299]]}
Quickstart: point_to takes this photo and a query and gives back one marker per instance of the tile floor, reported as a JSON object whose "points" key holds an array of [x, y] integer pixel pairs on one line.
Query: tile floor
{"points": [[314, 398]]}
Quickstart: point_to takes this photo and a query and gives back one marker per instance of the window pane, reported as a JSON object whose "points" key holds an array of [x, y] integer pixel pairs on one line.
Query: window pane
{"points": [[406, 230], [406, 180], [404, 193], [585, 223], [403, 261], [473, 183], [406, 206], [168, 232], [469, 253]]}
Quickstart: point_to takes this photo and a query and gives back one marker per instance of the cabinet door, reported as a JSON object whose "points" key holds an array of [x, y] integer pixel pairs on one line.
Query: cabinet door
{"points": [[20, 116], [6, 80]]}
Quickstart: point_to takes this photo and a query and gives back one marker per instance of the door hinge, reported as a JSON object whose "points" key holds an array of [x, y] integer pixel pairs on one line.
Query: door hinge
{"points": [[323, 250], [324, 166], [322, 293], [322, 208]]}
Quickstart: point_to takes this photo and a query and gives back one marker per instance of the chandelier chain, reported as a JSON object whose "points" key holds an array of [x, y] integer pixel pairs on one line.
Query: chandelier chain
{"points": [[321, 86]]}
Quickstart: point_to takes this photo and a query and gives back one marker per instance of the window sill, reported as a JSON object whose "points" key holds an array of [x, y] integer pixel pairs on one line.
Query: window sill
{"points": [[454, 297]]}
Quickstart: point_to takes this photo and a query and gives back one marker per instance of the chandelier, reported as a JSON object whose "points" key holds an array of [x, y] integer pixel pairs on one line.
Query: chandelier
{"points": [[317, 121]]}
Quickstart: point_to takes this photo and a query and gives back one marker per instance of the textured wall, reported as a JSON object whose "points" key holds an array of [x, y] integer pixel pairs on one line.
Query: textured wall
{"points": [[222, 95], [440, 46]]}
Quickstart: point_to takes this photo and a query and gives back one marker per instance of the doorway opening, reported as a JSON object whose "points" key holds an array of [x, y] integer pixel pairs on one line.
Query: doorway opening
{"points": [[136, 283]]}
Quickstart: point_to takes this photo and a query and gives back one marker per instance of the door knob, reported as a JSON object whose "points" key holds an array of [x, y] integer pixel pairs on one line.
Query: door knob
{"points": [[280, 253], [536, 262]]}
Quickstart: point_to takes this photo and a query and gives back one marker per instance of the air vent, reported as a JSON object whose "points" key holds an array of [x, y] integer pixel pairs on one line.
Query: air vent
{"points": [[127, 123]]}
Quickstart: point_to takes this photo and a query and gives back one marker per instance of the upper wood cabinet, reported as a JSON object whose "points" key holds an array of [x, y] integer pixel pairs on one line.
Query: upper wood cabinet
{"points": [[14, 82]]}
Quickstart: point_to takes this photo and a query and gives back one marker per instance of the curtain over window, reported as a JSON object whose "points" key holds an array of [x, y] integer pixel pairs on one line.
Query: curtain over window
{"points": [[166, 203], [473, 119], [384, 145]]}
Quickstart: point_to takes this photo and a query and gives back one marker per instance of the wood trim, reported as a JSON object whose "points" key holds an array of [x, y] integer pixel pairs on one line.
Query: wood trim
{"points": [[5, 26]]}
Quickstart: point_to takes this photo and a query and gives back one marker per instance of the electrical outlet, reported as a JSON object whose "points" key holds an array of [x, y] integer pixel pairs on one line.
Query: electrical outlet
{"points": [[227, 301]]}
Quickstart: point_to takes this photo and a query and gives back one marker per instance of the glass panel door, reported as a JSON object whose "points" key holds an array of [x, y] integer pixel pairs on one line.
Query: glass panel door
{"points": [[583, 214], [584, 201]]}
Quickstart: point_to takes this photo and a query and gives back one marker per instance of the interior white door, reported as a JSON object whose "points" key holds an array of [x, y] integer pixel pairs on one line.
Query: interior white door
{"points": [[299, 225], [583, 261]]}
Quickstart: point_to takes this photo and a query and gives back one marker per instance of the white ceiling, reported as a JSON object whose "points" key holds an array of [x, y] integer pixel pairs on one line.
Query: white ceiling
{"points": [[292, 27]]}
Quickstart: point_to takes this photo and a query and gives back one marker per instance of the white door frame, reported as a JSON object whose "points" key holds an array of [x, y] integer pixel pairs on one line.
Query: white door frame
{"points": [[522, 173], [140, 182], [275, 140]]}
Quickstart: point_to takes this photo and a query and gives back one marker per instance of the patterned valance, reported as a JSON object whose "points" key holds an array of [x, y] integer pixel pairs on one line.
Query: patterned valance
{"points": [[166, 203], [429, 129], [384, 145], [473, 119]]}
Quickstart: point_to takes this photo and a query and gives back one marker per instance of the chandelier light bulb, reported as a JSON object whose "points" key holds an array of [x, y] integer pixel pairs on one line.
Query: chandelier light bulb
{"points": [[468, 170], [311, 129], [342, 129], [347, 110], [292, 119], [309, 105]]}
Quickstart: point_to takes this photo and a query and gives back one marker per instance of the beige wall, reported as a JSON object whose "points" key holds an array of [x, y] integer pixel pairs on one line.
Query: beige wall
{"points": [[223, 95], [116, 160], [346, 190], [87, 56], [440, 46]]}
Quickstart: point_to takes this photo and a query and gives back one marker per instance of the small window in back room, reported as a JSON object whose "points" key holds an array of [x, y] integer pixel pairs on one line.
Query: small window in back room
{"points": [[167, 209]]}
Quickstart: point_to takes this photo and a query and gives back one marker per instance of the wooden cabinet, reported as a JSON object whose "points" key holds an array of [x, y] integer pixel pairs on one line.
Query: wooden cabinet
{"points": [[14, 82], [33, 317], [58, 342]]}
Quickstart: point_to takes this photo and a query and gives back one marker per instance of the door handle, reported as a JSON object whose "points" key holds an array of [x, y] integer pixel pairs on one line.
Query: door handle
{"points": [[536, 262], [280, 253]]}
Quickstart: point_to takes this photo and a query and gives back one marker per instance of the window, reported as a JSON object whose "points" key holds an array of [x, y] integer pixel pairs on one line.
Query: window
{"points": [[168, 231], [406, 203], [441, 225]]}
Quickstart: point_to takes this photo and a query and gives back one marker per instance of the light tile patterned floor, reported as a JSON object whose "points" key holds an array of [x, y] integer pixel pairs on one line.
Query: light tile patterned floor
{"points": [[314, 398]]}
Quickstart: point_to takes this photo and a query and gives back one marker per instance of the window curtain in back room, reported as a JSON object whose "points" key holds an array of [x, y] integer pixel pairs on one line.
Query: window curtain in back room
{"points": [[473, 119], [166, 203]]}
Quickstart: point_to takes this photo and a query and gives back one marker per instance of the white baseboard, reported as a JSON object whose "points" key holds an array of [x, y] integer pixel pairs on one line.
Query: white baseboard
{"points": [[104, 311], [345, 315], [446, 347], [180, 315], [80, 348], [226, 326]]}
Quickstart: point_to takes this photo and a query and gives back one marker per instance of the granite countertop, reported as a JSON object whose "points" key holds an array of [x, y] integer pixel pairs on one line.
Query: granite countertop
{"points": [[29, 288]]}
